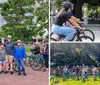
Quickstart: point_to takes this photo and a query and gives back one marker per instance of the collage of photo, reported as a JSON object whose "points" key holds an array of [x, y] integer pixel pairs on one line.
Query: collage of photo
{"points": [[49, 42]]}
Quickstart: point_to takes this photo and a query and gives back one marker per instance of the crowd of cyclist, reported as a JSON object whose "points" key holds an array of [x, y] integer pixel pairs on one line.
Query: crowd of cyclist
{"points": [[10, 51], [83, 73]]}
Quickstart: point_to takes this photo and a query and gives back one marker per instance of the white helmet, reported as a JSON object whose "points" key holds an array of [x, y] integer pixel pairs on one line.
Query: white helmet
{"points": [[9, 36], [19, 41]]}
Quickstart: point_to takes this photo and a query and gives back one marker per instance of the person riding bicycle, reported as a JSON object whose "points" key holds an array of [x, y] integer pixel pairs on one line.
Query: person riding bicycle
{"points": [[94, 72], [65, 70], [61, 17], [70, 13], [73, 72], [77, 72], [57, 71]]}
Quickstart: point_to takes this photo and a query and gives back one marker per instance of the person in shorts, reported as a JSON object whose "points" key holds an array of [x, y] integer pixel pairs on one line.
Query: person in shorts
{"points": [[2, 57], [9, 52]]}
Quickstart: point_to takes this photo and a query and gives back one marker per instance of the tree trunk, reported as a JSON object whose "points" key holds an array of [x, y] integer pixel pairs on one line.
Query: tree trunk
{"points": [[78, 8]]}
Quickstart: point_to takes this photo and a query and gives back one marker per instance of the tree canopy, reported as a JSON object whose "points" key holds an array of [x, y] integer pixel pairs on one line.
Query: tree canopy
{"points": [[24, 18], [75, 53]]}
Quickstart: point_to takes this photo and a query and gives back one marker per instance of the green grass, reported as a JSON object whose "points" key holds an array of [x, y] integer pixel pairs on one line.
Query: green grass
{"points": [[73, 82]]}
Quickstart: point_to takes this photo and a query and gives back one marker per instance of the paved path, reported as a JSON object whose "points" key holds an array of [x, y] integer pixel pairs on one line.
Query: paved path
{"points": [[96, 30], [32, 78]]}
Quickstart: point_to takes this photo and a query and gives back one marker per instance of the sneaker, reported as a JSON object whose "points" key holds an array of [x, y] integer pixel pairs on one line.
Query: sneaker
{"points": [[19, 73], [24, 74], [46, 70], [11, 72], [6, 72]]}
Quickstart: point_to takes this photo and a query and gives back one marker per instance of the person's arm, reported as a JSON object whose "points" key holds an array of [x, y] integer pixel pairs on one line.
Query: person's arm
{"points": [[75, 19], [68, 24], [74, 23], [24, 52]]}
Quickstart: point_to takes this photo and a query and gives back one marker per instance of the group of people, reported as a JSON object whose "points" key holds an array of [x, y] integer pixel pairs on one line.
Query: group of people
{"points": [[45, 52], [10, 51], [78, 72]]}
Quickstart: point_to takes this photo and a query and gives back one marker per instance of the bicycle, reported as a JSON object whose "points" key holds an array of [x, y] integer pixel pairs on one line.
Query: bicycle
{"points": [[37, 63], [80, 35], [28, 60]]}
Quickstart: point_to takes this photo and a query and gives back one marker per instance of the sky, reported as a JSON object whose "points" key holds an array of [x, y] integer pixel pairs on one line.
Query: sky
{"points": [[3, 1]]}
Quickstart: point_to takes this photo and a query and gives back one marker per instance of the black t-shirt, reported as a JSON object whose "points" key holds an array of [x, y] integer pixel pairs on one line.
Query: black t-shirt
{"points": [[36, 50], [62, 18]]}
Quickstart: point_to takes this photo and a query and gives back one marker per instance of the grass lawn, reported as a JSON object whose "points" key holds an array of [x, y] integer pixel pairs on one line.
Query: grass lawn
{"points": [[72, 82]]}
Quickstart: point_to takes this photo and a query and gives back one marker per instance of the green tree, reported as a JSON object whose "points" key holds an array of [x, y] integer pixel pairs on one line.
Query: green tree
{"points": [[19, 15], [77, 5]]}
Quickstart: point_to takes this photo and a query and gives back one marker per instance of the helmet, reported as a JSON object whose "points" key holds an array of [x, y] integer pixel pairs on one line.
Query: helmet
{"points": [[9, 36], [19, 41], [67, 4]]}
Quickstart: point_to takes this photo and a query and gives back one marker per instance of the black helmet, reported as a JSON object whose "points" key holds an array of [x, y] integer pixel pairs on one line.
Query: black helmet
{"points": [[67, 5]]}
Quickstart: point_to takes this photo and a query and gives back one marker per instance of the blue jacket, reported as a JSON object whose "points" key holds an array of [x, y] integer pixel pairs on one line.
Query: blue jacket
{"points": [[20, 52]]}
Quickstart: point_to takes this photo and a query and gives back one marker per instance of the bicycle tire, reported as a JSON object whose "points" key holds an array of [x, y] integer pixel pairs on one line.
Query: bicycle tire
{"points": [[84, 37], [36, 66], [28, 62], [93, 35], [15, 67]]}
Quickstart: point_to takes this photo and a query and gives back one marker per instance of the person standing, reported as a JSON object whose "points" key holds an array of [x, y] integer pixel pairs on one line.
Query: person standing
{"points": [[2, 58], [20, 55], [46, 54], [9, 52]]}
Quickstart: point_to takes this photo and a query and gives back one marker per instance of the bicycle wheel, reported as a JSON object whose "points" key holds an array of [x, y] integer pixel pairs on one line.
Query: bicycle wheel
{"points": [[28, 62], [36, 65], [85, 39], [15, 67], [89, 33]]}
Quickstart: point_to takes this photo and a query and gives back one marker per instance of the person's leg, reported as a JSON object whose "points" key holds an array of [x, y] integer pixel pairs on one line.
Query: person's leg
{"points": [[64, 30], [68, 32], [18, 66], [23, 66], [0, 67], [7, 63], [46, 61], [3, 67], [11, 63]]}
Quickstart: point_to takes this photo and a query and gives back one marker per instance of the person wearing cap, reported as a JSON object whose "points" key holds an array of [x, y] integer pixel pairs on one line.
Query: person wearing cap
{"points": [[9, 53], [46, 54], [20, 55], [61, 17]]}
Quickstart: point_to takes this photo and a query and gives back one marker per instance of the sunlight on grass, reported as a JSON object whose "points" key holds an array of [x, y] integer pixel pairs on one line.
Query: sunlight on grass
{"points": [[72, 82]]}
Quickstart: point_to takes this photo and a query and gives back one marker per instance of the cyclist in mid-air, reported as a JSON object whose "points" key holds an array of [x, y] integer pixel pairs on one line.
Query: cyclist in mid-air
{"points": [[61, 17]]}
